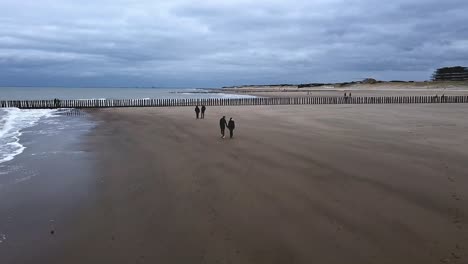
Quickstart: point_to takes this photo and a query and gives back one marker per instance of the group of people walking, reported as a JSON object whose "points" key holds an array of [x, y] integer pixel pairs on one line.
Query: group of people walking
{"points": [[223, 124], [197, 111]]}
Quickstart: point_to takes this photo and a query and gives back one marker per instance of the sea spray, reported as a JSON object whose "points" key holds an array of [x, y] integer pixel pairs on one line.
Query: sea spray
{"points": [[12, 122]]}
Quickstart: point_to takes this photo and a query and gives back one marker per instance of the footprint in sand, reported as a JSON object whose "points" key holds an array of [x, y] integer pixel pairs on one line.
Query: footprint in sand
{"points": [[458, 217], [455, 196]]}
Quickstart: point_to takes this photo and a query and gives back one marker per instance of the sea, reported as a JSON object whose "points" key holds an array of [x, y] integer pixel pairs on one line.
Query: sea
{"points": [[44, 93], [29, 136]]}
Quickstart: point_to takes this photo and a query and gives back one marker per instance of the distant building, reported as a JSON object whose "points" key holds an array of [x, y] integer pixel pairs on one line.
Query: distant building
{"points": [[457, 73], [369, 81]]}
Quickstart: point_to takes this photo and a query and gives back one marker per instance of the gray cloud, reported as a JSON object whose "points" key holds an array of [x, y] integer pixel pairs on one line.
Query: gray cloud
{"points": [[211, 43]]}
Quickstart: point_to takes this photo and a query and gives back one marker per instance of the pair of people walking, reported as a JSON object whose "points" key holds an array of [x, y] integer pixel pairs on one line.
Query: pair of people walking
{"points": [[230, 125], [197, 111]]}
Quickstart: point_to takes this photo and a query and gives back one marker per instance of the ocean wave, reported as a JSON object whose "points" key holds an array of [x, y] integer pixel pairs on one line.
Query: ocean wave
{"points": [[235, 96], [12, 122]]}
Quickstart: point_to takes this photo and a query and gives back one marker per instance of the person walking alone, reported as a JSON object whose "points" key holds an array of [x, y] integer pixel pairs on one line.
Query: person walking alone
{"points": [[203, 109], [197, 111], [231, 125], [222, 125]]}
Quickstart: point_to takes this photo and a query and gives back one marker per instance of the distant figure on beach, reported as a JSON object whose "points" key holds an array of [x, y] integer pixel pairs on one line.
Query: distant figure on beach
{"points": [[349, 94], [345, 95], [197, 111], [231, 125], [56, 103], [203, 109], [222, 125]]}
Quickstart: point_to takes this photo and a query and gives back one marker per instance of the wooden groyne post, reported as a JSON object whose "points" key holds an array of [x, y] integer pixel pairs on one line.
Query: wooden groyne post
{"points": [[315, 100]]}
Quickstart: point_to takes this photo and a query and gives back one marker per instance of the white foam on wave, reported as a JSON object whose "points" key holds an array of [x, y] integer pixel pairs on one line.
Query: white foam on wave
{"points": [[12, 122], [236, 96], [218, 95], [3, 238]]}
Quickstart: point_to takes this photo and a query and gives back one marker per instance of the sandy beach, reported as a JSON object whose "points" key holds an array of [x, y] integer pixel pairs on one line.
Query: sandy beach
{"points": [[357, 89], [350, 142], [297, 184]]}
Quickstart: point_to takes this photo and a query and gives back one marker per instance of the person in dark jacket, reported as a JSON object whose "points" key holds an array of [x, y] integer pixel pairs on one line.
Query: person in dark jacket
{"points": [[56, 103], [231, 125], [203, 109], [222, 125], [197, 111]]}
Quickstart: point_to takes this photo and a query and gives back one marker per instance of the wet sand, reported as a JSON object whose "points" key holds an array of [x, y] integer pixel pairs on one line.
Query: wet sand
{"points": [[297, 184], [42, 189]]}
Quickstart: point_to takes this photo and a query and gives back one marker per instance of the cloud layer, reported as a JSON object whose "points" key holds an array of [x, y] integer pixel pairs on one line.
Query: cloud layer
{"points": [[211, 43]]}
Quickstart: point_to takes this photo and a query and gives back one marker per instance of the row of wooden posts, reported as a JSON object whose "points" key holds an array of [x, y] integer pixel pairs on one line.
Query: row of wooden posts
{"points": [[55, 103]]}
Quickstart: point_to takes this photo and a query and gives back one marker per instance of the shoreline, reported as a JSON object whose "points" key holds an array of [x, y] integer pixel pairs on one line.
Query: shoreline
{"points": [[43, 188]]}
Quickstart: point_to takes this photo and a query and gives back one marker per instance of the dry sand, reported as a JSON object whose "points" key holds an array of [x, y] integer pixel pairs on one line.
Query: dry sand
{"points": [[355, 93], [379, 89], [298, 184]]}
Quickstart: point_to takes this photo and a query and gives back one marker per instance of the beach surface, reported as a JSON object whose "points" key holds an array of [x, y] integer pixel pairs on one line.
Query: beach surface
{"points": [[42, 189], [297, 184], [356, 89]]}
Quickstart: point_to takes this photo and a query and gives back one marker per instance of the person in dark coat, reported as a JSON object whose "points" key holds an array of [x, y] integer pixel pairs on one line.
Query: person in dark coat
{"points": [[56, 103], [203, 109], [231, 125], [197, 111], [222, 125]]}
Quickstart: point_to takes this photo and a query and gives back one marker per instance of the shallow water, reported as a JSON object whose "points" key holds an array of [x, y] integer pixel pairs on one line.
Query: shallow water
{"points": [[43, 133], [42, 187]]}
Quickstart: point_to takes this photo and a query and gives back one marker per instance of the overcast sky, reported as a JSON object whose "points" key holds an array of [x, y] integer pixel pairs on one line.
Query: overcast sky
{"points": [[209, 43]]}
